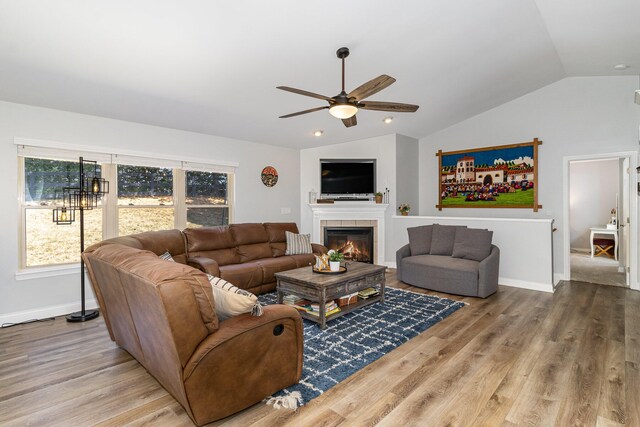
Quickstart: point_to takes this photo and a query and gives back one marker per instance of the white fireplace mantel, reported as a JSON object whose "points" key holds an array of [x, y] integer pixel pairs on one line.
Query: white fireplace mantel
{"points": [[341, 211]]}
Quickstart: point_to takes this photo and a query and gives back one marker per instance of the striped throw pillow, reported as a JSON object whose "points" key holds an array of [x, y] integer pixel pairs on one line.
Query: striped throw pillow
{"points": [[231, 301], [298, 243], [166, 256]]}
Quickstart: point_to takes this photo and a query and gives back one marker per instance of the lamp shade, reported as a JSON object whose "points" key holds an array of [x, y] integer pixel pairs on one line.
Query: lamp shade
{"points": [[343, 111]]}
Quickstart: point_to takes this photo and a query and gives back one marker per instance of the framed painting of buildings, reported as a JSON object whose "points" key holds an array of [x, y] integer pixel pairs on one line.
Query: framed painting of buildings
{"points": [[504, 176]]}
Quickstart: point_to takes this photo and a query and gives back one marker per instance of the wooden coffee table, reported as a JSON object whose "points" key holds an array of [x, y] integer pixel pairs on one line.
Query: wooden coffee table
{"points": [[320, 288]]}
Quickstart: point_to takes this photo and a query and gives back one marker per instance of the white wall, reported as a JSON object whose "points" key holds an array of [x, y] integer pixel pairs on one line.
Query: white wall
{"points": [[254, 202], [574, 116], [593, 186], [521, 265], [407, 172], [382, 148]]}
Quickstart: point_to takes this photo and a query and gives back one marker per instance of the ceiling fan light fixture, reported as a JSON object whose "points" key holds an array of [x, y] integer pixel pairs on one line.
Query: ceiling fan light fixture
{"points": [[343, 111]]}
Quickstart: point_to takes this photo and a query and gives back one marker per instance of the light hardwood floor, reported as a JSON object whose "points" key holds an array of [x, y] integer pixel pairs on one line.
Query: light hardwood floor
{"points": [[517, 358]]}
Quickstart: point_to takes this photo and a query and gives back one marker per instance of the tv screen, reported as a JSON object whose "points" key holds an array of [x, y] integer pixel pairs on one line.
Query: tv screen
{"points": [[347, 177]]}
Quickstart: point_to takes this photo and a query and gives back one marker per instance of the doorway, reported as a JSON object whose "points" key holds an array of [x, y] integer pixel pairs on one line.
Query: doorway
{"points": [[597, 234]]}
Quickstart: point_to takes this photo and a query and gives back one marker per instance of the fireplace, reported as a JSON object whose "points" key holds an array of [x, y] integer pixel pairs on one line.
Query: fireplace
{"points": [[355, 243]]}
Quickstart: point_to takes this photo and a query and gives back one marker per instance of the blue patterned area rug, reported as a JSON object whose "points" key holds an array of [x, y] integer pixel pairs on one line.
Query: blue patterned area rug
{"points": [[351, 342]]}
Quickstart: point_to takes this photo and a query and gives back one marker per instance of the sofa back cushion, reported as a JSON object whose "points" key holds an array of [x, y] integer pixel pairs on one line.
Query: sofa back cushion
{"points": [[252, 241], [216, 243], [472, 243], [420, 239], [277, 238], [158, 242], [443, 238]]}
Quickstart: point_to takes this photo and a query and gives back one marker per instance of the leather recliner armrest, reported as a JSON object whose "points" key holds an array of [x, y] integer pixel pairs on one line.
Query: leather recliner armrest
{"points": [[207, 265], [489, 272], [244, 361], [318, 249]]}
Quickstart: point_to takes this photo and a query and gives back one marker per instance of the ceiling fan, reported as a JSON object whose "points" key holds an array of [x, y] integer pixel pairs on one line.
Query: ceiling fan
{"points": [[345, 105]]}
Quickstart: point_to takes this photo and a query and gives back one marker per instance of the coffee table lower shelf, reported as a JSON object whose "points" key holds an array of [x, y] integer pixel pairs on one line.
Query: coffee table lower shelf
{"points": [[343, 310]]}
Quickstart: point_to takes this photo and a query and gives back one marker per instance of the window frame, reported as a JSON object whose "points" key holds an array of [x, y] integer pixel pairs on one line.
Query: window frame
{"points": [[110, 208], [183, 202]]}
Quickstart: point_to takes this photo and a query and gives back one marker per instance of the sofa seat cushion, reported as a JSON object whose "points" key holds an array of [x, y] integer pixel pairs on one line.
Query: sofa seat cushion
{"points": [[244, 276], [270, 266], [459, 275], [303, 260]]}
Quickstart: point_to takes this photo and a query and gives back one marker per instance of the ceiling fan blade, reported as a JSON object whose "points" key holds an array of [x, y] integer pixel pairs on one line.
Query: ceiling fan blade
{"points": [[371, 87], [303, 92], [304, 112], [388, 106], [351, 121]]}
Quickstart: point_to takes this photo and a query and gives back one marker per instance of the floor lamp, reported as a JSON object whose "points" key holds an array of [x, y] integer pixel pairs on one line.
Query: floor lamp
{"points": [[81, 198]]}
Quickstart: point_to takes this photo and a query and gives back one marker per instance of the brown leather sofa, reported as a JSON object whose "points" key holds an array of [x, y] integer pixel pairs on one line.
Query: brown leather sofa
{"points": [[162, 313]]}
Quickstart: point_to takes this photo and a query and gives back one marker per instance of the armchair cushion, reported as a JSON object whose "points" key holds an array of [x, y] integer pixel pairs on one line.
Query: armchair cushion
{"points": [[420, 239], [472, 243], [443, 238]]}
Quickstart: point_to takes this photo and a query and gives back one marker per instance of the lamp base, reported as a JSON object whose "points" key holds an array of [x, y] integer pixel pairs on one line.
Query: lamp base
{"points": [[80, 317]]}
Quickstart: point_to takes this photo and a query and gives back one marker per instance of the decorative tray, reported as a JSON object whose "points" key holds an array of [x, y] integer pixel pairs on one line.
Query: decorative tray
{"points": [[342, 270]]}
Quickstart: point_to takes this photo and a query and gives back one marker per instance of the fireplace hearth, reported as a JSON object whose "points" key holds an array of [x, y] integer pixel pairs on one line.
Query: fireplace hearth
{"points": [[355, 243]]}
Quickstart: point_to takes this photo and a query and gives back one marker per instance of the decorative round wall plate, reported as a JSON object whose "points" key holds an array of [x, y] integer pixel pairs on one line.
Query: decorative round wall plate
{"points": [[269, 176]]}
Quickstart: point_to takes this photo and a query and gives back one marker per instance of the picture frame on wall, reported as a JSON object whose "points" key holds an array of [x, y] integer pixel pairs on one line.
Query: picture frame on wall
{"points": [[501, 176]]}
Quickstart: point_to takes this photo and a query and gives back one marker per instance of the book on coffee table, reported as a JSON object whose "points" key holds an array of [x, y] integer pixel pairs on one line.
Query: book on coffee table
{"points": [[368, 293]]}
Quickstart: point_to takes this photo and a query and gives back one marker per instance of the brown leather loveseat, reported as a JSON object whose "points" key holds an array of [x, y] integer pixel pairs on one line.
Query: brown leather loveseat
{"points": [[163, 314]]}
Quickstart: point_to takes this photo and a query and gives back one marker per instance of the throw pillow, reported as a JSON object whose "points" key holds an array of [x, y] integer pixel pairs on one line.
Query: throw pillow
{"points": [[472, 243], [420, 239], [442, 239], [298, 244], [167, 257], [231, 301]]}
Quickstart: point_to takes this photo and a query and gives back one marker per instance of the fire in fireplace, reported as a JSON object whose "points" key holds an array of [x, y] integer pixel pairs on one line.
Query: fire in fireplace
{"points": [[355, 243]]}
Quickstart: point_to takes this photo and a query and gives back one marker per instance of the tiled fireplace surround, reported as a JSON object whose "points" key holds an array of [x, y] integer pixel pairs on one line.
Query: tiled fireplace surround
{"points": [[349, 215]]}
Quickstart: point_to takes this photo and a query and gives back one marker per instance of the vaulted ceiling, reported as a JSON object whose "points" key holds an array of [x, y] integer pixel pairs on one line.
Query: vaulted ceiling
{"points": [[213, 67]]}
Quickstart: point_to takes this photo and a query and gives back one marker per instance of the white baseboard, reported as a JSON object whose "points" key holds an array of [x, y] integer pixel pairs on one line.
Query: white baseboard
{"points": [[390, 264], [558, 277], [45, 312], [581, 250], [534, 286]]}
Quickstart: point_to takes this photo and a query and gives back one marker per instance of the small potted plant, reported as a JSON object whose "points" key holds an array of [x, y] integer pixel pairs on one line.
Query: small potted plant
{"points": [[334, 260], [378, 196], [404, 209]]}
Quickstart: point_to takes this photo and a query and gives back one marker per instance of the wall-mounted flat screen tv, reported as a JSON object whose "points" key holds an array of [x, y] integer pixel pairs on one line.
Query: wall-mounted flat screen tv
{"points": [[345, 177]]}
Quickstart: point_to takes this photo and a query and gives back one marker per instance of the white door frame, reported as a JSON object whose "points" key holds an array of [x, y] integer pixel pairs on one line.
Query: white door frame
{"points": [[633, 214]]}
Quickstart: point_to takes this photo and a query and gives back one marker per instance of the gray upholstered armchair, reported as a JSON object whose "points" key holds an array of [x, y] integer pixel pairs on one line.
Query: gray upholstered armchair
{"points": [[452, 259]]}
